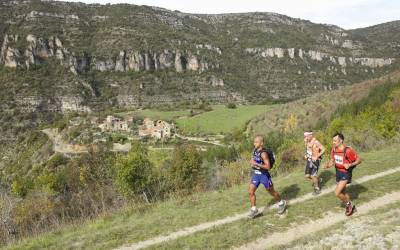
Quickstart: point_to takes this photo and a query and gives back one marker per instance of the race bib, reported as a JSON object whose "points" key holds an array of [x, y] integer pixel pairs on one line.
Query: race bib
{"points": [[339, 159], [309, 153], [257, 171]]}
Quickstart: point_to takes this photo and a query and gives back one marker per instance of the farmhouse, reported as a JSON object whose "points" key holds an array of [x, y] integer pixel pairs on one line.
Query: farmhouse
{"points": [[157, 129], [114, 124]]}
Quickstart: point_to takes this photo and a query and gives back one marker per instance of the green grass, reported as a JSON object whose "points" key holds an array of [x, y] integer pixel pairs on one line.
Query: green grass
{"points": [[137, 225], [163, 115], [244, 231], [221, 119]]}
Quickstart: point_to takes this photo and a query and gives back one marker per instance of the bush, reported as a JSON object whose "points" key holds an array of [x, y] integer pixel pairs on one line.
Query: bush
{"points": [[34, 210], [56, 160], [231, 105], [118, 138], [133, 173], [230, 174], [21, 186], [218, 153], [186, 172], [53, 183]]}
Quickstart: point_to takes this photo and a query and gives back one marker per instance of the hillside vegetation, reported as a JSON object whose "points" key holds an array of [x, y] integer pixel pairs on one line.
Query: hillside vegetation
{"points": [[134, 224], [63, 190]]}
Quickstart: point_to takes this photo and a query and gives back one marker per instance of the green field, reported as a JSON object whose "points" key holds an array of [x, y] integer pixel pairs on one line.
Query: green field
{"points": [[221, 119], [139, 224]]}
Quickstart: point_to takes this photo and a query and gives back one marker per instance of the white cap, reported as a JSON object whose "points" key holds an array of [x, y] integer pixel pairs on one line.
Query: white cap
{"points": [[307, 133]]}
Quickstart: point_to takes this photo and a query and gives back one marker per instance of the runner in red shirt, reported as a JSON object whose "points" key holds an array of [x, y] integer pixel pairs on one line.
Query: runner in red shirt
{"points": [[345, 159]]}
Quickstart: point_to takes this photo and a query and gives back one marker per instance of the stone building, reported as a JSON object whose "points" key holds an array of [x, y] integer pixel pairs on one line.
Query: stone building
{"points": [[114, 124], [156, 129]]}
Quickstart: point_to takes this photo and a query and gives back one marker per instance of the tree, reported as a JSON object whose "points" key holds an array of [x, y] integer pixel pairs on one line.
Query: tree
{"points": [[133, 173], [185, 172]]}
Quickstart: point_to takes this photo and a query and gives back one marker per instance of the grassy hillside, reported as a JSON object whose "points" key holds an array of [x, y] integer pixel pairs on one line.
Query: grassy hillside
{"points": [[370, 122], [380, 33], [315, 111], [76, 181], [221, 119], [213, 119], [138, 224]]}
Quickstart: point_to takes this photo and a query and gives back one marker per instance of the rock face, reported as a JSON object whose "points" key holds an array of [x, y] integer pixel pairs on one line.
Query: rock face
{"points": [[166, 59], [40, 49], [291, 53], [135, 61], [217, 82], [120, 62], [320, 56], [11, 57], [102, 65], [348, 44], [72, 104], [316, 55], [342, 61], [144, 51], [373, 62], [215, 95], [180, 62], [269, 52], [64, 104], [193, 63]]}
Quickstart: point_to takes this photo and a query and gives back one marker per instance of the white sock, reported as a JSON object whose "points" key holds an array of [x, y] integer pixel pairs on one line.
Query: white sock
{"points": [[253, 208]]}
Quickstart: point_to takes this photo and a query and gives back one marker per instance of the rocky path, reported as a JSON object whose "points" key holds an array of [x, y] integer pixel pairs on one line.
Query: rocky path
{"points": [[302, 230], [372, 231]]}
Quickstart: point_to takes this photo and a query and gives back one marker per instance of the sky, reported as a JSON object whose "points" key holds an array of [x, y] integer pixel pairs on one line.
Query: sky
{"points": [[348, 14]]}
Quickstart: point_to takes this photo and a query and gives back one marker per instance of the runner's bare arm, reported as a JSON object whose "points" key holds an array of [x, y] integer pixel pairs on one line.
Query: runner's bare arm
{"points": [[321, 149], [329, 164], [355, 163], [266, 164]]}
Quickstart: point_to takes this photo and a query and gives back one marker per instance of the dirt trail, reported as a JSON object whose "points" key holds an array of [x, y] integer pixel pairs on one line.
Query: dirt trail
{"points": [[330, 219], [204, 226], [200, 139], [59, 146]]}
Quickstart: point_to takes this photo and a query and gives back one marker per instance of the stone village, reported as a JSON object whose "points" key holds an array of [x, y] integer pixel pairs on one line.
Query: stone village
{"points": [[157, 129]]}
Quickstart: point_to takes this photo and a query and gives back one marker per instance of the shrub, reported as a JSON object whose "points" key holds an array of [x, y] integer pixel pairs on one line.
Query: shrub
{"points": [[185, 172], [133, 173], [231, 105], [53, 183], [20, 186], [230, 174], [56, 160]]}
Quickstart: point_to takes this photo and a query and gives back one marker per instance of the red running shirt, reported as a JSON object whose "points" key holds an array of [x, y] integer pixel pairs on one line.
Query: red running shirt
{"points": [[339, 159]]}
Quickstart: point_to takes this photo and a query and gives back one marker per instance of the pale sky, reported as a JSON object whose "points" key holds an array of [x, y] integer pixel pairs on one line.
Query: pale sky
{"points": [[347, 14]]}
